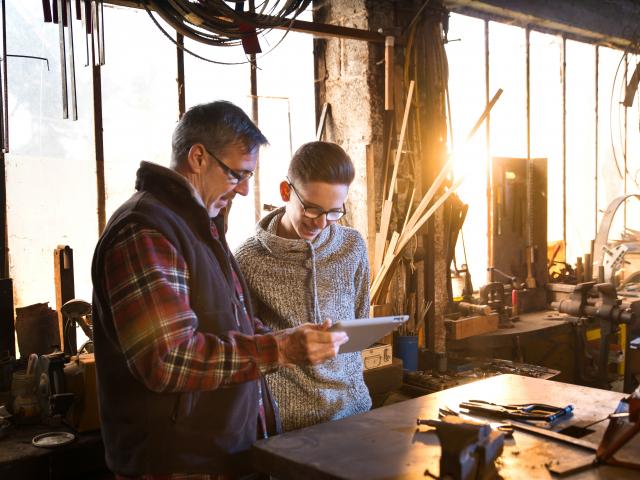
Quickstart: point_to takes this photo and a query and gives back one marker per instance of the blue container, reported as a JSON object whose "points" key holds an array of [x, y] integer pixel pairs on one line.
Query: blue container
{"points": [[406, 349]]}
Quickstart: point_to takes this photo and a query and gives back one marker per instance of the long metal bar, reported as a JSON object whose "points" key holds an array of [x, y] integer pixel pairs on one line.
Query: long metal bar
{"points": [[597, 146], [63, 60], [3, 98], [72, 64], [255, 116], [5, 80], [626, 137], [4, 235], [488, 145], [96, 78], [577, 442], [180, 72], [563, 70], [529, 162]]}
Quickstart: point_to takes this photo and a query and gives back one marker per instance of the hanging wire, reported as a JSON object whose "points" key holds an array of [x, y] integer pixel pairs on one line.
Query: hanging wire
{"points": [[215, 23]]}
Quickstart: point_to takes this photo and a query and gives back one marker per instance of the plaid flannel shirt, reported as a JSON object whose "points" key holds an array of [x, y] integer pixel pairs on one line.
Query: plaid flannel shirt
{"points": [[147, 285]]}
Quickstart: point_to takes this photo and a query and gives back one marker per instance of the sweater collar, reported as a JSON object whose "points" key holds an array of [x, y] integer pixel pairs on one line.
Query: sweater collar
{"points": [[324, 244]]}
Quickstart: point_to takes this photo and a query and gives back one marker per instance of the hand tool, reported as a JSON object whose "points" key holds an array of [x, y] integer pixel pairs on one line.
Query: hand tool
{"points": [[545, 432], [525, 411]]}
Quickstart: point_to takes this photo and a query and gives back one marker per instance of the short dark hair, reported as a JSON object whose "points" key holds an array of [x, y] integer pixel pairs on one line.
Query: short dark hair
{"points": [[215, 125], [321, 162]]}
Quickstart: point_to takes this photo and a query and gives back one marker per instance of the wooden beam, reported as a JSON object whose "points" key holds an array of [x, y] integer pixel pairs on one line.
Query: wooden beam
{"points": [[317, 29], [65, 291]]}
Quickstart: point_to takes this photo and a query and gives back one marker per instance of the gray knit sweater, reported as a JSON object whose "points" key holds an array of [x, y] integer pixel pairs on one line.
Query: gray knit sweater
{"points": [[297, 281]]}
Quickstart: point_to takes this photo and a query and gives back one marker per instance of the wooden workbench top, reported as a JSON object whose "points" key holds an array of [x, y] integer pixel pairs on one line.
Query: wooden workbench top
{"points": [[385, 443]]}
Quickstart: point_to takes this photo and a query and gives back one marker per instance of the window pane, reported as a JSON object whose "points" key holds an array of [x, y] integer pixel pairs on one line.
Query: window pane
{"points": [[465, 53], [580, 148], [610, 133], [508, 71], [139, 99], [546, 121], [51, 192]]}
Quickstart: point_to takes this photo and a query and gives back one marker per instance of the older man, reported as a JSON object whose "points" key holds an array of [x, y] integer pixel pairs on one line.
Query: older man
{"points": [[180, 357]]}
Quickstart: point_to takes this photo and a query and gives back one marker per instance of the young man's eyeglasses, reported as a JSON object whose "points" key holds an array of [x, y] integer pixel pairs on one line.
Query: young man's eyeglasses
{"points": [[317, 212], [234, 176]]}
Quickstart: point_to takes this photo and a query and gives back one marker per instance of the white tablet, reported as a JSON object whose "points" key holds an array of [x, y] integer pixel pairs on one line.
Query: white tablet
{"points": [[363, 332]]}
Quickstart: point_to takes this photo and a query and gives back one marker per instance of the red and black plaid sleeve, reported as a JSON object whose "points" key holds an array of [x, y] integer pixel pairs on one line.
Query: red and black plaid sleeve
{"points": [[147, 285]]}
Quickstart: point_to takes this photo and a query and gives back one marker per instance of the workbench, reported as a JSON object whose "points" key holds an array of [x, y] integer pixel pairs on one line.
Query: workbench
{"points": [[83, 458], [386, 444], [539, 338]]}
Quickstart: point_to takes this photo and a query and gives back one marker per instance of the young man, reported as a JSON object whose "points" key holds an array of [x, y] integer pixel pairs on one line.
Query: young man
{"points": [[179, 356], [301, 266]]}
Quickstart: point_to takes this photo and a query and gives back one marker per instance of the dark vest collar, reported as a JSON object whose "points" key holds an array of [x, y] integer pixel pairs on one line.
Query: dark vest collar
{"points": [[175, 191]]}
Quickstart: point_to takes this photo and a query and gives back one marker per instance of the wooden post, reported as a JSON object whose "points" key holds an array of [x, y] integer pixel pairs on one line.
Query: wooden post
{"points": [[65, 291], [7, 329]]}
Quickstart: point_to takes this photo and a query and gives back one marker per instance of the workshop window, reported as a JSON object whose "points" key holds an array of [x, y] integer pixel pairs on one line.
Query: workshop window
{"points": [[51, 186], [597, 160], [51, 173]]}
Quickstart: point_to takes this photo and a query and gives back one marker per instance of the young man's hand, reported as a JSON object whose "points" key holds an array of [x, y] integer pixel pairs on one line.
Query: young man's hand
{"points": [[308, 344]]}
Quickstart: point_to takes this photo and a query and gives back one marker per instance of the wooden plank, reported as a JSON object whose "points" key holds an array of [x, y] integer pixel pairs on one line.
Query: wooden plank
{"points": [[386, 265], [485, 113], [322, 121], [403, 131], [388, 72], [371, 205], [407, 236], [426, 199], [381, 237], [471, 326]]}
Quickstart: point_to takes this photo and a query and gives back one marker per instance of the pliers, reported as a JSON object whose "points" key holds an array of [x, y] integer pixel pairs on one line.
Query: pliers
{"points": [[525, 411]]}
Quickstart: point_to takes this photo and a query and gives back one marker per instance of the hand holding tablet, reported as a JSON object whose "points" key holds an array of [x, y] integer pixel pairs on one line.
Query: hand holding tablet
{"points": [[363, 332]]}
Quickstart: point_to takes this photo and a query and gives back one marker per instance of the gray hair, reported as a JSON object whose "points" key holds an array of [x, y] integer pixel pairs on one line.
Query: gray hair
{"points": [[216, 125]]}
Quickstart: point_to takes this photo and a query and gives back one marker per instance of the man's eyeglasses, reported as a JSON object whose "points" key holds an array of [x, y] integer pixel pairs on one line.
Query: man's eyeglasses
{"points": [[234, 176], [316, 212]]}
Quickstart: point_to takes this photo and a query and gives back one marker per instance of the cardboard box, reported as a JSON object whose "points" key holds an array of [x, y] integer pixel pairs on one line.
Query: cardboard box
{"points": [[378, 355]]}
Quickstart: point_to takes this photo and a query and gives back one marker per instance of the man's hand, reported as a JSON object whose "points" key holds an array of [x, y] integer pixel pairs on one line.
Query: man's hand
{"points": [[308, 344]]}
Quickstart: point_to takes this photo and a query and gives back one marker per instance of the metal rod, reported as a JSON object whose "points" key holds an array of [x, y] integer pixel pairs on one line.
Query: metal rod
{"points": [[3, 97], [563, 70], [46, 60], [63, 61], [529, 161], [488, 145], [626, 138], [96, 77], [255, 116], [5, 79], [72, 63], [595, 217], [101, 27], [180, 79], [578, 442], [4, 236]]}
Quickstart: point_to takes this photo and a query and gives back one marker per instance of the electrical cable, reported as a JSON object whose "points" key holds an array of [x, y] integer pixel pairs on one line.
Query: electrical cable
{"points": [[209, 39]]}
